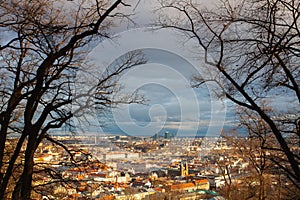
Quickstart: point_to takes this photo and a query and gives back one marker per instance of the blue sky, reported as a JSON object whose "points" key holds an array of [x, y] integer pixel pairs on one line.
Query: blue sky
{"points": [[165, 81]]}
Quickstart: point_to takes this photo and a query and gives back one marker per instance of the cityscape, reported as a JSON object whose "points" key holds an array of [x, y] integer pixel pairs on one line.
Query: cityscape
{"points": [[157, 167], [149, 100]]}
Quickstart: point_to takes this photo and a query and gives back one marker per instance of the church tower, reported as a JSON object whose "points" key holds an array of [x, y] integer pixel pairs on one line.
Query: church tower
{"points": [[186, 169], [182, 171]]}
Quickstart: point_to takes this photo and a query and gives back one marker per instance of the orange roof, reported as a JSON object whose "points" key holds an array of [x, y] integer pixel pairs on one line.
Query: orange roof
{"points": [[81, 189], [75, 195], [182, 186], [110, 197], [158, 189], [80, 177], [201, 181]]}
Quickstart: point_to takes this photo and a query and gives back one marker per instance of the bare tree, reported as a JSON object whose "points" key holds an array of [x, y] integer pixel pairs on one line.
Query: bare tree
{"points": [[253, 150], [261, 148], [253, 48], [43, 46], [261, 179], [256, 149]]}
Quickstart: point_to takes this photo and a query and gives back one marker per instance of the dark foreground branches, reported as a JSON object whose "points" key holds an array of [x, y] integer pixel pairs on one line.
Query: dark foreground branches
{"points": [[43, 47], [252, 52]]}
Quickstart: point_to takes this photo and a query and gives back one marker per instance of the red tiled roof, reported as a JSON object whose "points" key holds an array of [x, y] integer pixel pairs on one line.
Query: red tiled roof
{"points": [[110, 197], [158, 189], [202, 181], [182, 186]]}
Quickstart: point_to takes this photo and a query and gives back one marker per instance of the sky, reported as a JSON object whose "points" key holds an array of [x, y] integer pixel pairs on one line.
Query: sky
{"points": [[173, 105], [165, 81]]}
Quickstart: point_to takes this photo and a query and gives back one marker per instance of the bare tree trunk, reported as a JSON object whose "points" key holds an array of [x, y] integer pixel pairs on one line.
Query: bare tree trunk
{"points": [[23, 188], [11, 166], [3, 134]]}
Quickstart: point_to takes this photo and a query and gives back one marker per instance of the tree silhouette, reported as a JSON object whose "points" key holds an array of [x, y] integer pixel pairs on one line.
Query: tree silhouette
{"points": [[251, 49], [43, 48]]}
